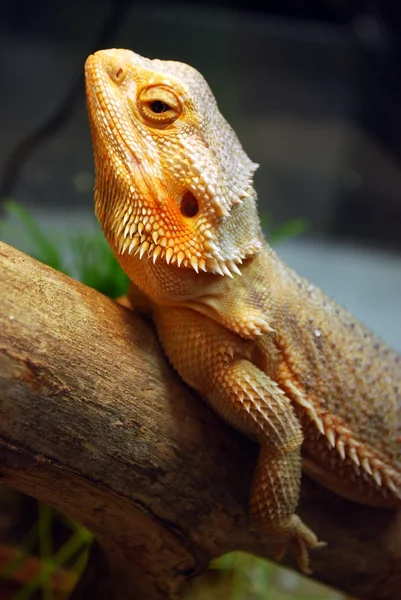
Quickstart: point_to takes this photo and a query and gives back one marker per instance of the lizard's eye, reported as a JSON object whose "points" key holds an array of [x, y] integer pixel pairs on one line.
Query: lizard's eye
{"points": [[158, 106]]}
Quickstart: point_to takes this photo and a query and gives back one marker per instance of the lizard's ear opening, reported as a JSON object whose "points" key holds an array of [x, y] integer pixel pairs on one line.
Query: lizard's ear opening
{"points": [[189, 205]]}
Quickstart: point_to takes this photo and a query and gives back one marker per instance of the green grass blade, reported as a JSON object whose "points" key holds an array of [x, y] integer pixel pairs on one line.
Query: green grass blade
{"points": [[45, 520], [78, 542], [25, 550]]}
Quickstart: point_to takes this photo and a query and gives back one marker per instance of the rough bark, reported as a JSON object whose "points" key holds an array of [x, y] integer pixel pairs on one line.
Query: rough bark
{"points": [[96, 424]]}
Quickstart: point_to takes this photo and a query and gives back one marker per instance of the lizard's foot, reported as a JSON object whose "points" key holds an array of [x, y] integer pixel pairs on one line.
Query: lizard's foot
{"points": [[301, 539], [295, 536], [274, 499]]}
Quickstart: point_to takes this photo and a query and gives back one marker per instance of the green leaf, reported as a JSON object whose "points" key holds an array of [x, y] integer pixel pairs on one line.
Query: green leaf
{"points": [[95, 264], [44, 250], [92, 260], [288, 230]]}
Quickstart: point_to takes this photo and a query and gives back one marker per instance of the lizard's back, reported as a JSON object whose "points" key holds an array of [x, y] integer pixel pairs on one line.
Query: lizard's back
{"points": [[345, 383]]}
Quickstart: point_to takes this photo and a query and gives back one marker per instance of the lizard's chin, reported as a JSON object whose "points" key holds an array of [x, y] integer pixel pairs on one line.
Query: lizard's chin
{"points": [[145, 248], [192, 246]]}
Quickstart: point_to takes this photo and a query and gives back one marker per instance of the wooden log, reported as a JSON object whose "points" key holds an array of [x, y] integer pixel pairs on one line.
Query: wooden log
{"points": [[95, 423]]}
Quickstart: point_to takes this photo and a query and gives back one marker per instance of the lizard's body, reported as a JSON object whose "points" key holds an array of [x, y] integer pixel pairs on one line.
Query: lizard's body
{"points": [[270, 352]]}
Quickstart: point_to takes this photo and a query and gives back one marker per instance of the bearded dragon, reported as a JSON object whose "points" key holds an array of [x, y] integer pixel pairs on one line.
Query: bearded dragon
{"points": [[267, 350]]}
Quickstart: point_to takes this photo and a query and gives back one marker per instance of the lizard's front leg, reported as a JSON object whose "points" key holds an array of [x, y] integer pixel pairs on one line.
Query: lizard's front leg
{"points": [[217, 364]]}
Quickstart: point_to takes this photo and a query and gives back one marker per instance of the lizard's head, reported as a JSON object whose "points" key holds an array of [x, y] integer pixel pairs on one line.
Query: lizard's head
{"points": [[172, 180]]}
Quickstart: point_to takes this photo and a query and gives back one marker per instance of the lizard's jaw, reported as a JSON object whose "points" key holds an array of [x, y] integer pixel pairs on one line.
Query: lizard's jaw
{"points": [[138, 231], [161, 194]]}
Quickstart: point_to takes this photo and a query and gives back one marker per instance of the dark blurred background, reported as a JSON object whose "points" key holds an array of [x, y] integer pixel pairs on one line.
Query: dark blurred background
{"points": [[313, 90]]}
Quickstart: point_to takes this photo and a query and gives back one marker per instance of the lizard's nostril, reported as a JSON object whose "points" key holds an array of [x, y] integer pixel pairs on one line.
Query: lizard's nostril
{"points": [[189, 205], [118, 75]]}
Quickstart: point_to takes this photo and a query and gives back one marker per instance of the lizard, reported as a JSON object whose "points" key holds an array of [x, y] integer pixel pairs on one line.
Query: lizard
{"points": [[269, 351]]}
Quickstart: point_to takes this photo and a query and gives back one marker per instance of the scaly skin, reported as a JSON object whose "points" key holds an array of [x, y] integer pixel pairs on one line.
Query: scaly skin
{"points": [[270, 352]]}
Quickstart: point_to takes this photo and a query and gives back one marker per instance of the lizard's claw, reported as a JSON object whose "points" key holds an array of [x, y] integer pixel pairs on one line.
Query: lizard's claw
{"points": [[301, 540]]}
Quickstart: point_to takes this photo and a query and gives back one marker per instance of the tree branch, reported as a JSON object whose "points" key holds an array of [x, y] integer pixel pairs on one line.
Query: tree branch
{"points": [[96, 424]]}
